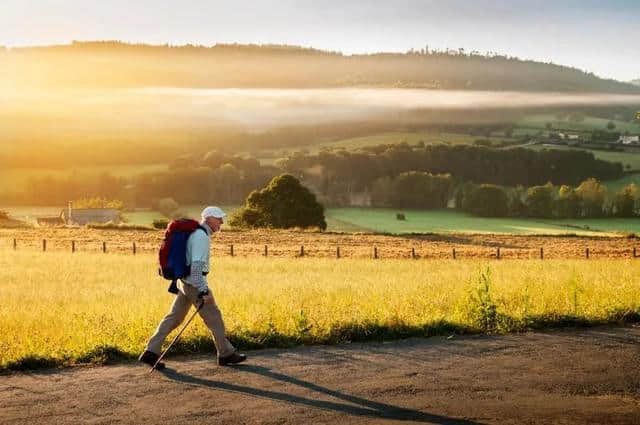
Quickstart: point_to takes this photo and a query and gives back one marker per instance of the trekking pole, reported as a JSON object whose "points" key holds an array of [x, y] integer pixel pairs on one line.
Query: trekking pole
{"points": [[176, 337]]}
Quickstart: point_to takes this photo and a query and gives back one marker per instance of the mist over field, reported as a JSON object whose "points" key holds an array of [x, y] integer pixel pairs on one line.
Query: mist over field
{"points": [[263, 109]]}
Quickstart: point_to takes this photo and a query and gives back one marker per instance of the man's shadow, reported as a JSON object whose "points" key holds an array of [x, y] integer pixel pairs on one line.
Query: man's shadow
{"points": [[363, 406]]}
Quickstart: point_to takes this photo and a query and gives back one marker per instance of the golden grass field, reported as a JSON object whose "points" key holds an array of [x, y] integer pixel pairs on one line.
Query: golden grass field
{"points": [[60, 308]]}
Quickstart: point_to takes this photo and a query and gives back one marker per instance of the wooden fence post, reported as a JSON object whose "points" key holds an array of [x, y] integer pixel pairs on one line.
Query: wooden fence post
{"points": [[302, 250], [587, 253], [338, 252], [231, 250], [454, 253], [497, 253], [73, 246], [134, 248], [413, 253], [634, 251], [265, 250], [104, 247], [542, 253], [15, 245], [44, 245], [375, 252]]}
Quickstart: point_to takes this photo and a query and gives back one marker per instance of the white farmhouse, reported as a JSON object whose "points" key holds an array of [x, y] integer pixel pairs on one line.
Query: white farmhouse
{"points": [[629, 140]]}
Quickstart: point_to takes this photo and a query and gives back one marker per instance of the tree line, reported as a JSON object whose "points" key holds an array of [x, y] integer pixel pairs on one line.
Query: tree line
{"points": [[339, 176], [402, 176], [590, 199]]}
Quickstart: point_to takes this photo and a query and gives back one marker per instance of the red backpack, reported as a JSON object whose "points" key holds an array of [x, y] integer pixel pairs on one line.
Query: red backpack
{"points": [[173, 251]]}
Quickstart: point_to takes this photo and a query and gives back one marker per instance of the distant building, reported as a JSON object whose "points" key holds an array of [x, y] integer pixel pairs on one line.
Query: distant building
{"points": [[629, 140], [561, 138], [81, 216], [568, 136]]}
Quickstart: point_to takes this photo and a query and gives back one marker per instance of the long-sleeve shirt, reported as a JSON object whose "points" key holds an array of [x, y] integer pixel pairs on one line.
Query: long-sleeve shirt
{"points": [[198, 253]]}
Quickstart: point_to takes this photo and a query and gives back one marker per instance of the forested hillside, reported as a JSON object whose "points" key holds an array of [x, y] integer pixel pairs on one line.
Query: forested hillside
{"points": [[115, 64]]}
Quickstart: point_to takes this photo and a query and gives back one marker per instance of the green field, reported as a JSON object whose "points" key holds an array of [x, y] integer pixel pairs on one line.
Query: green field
{"points": [[629, 160], [269, 156], [589, 124], [420, 221], [417, 221], [146, 217], [142, 217], [86, 308], [399, 137], [529, 125]]}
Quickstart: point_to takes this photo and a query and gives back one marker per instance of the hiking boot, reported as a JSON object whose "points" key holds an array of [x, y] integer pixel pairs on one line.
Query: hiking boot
{"points": [[232, 359], [150, 358]]}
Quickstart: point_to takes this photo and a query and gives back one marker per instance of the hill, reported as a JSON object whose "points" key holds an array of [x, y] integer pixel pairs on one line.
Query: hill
{"points": [[117, 64]]}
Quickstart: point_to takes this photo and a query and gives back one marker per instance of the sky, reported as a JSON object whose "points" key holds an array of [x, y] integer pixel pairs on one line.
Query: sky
{"points": [[597, 36]]}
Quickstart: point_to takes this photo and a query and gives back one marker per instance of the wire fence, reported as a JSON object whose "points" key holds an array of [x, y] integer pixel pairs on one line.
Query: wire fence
{"points": [[332, 251]]}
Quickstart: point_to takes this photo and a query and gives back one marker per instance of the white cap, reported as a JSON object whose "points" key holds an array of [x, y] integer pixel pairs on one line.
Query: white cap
{"points": [[213, 212]]}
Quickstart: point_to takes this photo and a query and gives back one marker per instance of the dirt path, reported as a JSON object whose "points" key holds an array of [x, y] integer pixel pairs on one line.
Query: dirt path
{"points": [[561, 377]]}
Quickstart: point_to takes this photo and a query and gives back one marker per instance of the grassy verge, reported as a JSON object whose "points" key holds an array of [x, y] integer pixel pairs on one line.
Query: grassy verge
{"points": [[61, 309]]}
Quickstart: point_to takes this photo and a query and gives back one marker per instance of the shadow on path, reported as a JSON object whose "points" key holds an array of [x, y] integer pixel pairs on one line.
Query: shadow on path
{"points": [[364, 407]]}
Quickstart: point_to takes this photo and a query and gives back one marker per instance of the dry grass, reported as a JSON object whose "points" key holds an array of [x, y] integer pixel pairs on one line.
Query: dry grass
{"points": [[59, 308]]}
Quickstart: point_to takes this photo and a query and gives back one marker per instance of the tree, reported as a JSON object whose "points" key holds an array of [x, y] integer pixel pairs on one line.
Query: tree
{"points": [[625, 200], [284, 203], [168, 207], [487, 200], [611, 125], [568, 204], [228, 180], [413, 189], [382, 192], [517, 208], [98, 203], [214, 159], [540, 200], [593, 194], [462, 194]]}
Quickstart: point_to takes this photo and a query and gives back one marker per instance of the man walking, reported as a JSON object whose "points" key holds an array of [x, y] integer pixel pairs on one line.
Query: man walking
{"points": [[193, 290]]}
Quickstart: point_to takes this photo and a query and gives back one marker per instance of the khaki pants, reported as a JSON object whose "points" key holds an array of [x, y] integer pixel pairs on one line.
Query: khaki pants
{"points": [[188, 296]]}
